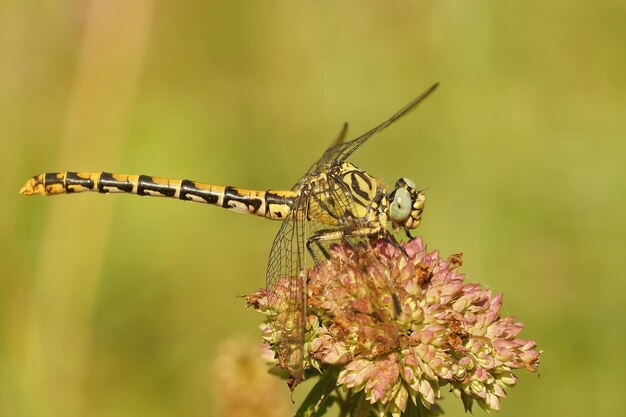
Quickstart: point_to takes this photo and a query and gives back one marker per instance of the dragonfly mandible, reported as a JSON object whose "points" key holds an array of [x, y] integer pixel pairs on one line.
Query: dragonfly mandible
{"points": [[334, 201]]}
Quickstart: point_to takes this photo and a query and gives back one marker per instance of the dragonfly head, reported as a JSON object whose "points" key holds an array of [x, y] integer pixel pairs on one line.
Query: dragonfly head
{"points": [[406, 204]]}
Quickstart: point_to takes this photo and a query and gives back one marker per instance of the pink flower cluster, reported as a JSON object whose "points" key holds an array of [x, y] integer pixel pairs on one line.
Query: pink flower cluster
{"points": [[401, 324]]}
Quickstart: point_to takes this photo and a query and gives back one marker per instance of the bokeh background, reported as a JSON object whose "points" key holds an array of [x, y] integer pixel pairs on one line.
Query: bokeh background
{"points": [[119, 306]]}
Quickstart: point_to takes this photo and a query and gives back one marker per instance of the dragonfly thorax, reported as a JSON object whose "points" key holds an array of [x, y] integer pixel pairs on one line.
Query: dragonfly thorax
{"points": [[344, 196], [405, 205]]}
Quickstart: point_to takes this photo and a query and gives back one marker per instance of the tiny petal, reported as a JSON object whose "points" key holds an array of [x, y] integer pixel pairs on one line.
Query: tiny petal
{"points": [[400, 324], [427, 392]]}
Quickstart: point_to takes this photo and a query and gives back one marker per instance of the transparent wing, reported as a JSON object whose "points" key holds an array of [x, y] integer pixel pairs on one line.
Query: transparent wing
{"points": [[341, 137], [287, 288], [341, 150]]}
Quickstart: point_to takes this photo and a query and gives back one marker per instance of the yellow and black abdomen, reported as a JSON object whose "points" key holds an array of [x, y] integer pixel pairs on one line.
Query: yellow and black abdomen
{"points": [[274, 205]]}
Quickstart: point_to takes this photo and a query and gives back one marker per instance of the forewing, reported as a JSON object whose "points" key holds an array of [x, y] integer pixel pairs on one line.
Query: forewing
{"points": [[342, 150]]}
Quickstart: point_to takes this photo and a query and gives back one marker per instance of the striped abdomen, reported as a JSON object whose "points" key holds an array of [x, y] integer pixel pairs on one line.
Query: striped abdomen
{"points": [[273, 205]]}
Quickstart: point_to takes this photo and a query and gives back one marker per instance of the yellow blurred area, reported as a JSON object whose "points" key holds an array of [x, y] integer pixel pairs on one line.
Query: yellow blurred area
{"points": [[115, 305]]}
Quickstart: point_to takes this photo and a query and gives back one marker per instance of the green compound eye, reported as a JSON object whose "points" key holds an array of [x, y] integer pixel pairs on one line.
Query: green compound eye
{"points": [[409, 182], [401, 205]]}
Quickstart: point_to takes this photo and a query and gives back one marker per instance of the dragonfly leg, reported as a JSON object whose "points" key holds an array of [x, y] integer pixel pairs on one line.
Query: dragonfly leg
{"points": [[324, 252], [333, 234], [387, 237], [345, 239], [317, 238], [325, 235]]}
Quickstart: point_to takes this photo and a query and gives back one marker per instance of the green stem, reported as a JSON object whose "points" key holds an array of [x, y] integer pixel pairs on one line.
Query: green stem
{"points": [[344, 406]]}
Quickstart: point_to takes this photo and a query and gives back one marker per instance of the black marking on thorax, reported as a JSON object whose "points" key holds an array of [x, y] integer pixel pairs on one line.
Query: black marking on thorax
{"points": [[232, 194], [145, 183], [107, 181], [355, 185], [72, 179], [188, 188]]}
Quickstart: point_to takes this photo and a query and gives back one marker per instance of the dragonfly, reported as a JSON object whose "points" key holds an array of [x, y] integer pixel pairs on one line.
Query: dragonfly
{"points": [[334, 201]]}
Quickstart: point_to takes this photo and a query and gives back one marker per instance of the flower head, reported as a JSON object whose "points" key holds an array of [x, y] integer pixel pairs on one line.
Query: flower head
{"points": [[401, 324], [242, 387]]}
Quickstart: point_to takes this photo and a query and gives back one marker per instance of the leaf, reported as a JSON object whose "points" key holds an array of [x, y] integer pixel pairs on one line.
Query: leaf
{"points": [[420, 410], [361, 407], [467, 402], [412, 410], [318, 400], [279, 372]]}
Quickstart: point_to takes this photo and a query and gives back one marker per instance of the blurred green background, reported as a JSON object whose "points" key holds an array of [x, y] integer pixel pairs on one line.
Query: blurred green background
{"points": [[115, 305]]}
